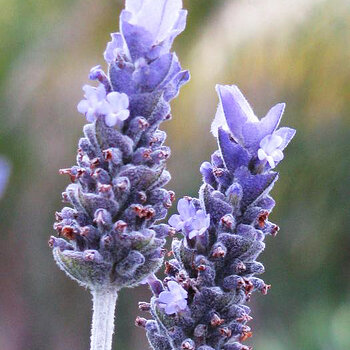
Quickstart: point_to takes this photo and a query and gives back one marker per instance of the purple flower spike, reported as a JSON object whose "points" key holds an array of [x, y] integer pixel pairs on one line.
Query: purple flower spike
{"points": [[110, 236], [117, 191], [174, 300], [224, 233], [235, 114]]}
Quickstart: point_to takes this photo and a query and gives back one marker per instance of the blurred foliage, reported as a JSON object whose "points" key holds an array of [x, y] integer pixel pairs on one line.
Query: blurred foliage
{"points": [[299, 55]]}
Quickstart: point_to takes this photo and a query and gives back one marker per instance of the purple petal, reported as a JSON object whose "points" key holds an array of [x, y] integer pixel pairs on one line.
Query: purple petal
{"points": [[101, 92], [111, 119], [170, 308], [262, 154], [173, 286], [175, 221], [236, 109], [193, 234], [103, 108], [89, 91], [202, 231], [83, 106], [287, 134], [116, 43], [277, 155], [168, 17], [182, 304], [133, 5], [273, 117], [156, 16], [219, 121], [165, 297], [186, 209], [234, 155], [254, 186], [138, 40], [206, 170], [123, 115], [118, 101], [171, 90], [253, 133], [152, 75]]}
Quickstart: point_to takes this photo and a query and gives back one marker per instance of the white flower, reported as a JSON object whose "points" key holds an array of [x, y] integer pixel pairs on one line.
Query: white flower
{"points": [[117, 109], [269, 149], [94, 103]]}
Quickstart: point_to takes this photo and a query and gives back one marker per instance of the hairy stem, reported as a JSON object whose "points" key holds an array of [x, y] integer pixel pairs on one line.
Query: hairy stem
{"points": [[104, 301]]}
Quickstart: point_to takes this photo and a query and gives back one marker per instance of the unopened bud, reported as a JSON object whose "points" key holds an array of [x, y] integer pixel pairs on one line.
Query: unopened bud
{"points": [[140, 322]]}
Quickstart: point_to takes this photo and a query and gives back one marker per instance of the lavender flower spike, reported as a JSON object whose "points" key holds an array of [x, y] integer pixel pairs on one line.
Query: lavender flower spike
{"points": [[109, 238], [212, 275]]}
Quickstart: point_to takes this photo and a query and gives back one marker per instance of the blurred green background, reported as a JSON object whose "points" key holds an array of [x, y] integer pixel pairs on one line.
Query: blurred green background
{"points": [[275, 50]]}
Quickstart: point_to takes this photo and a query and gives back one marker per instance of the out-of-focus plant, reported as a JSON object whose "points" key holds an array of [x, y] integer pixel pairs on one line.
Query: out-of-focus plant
{"points": [[110, 239], [4, 174]]}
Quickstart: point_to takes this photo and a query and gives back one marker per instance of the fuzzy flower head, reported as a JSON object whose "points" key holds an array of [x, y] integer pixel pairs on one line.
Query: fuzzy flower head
{"points": [[191, 221], [174, 300], [114, 106], [235, 115]]}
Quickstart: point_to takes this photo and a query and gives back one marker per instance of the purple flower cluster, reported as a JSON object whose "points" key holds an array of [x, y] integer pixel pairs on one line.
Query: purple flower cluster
{"points": [[109, 236], [201, 304], [191, 221], [97, 103], [174, 300]]}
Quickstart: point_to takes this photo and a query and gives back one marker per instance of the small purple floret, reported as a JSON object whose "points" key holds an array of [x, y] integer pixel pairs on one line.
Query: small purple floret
{"points": [[94, 103], [113, 106], [191, 221], [174, 300], [117, 109]]}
